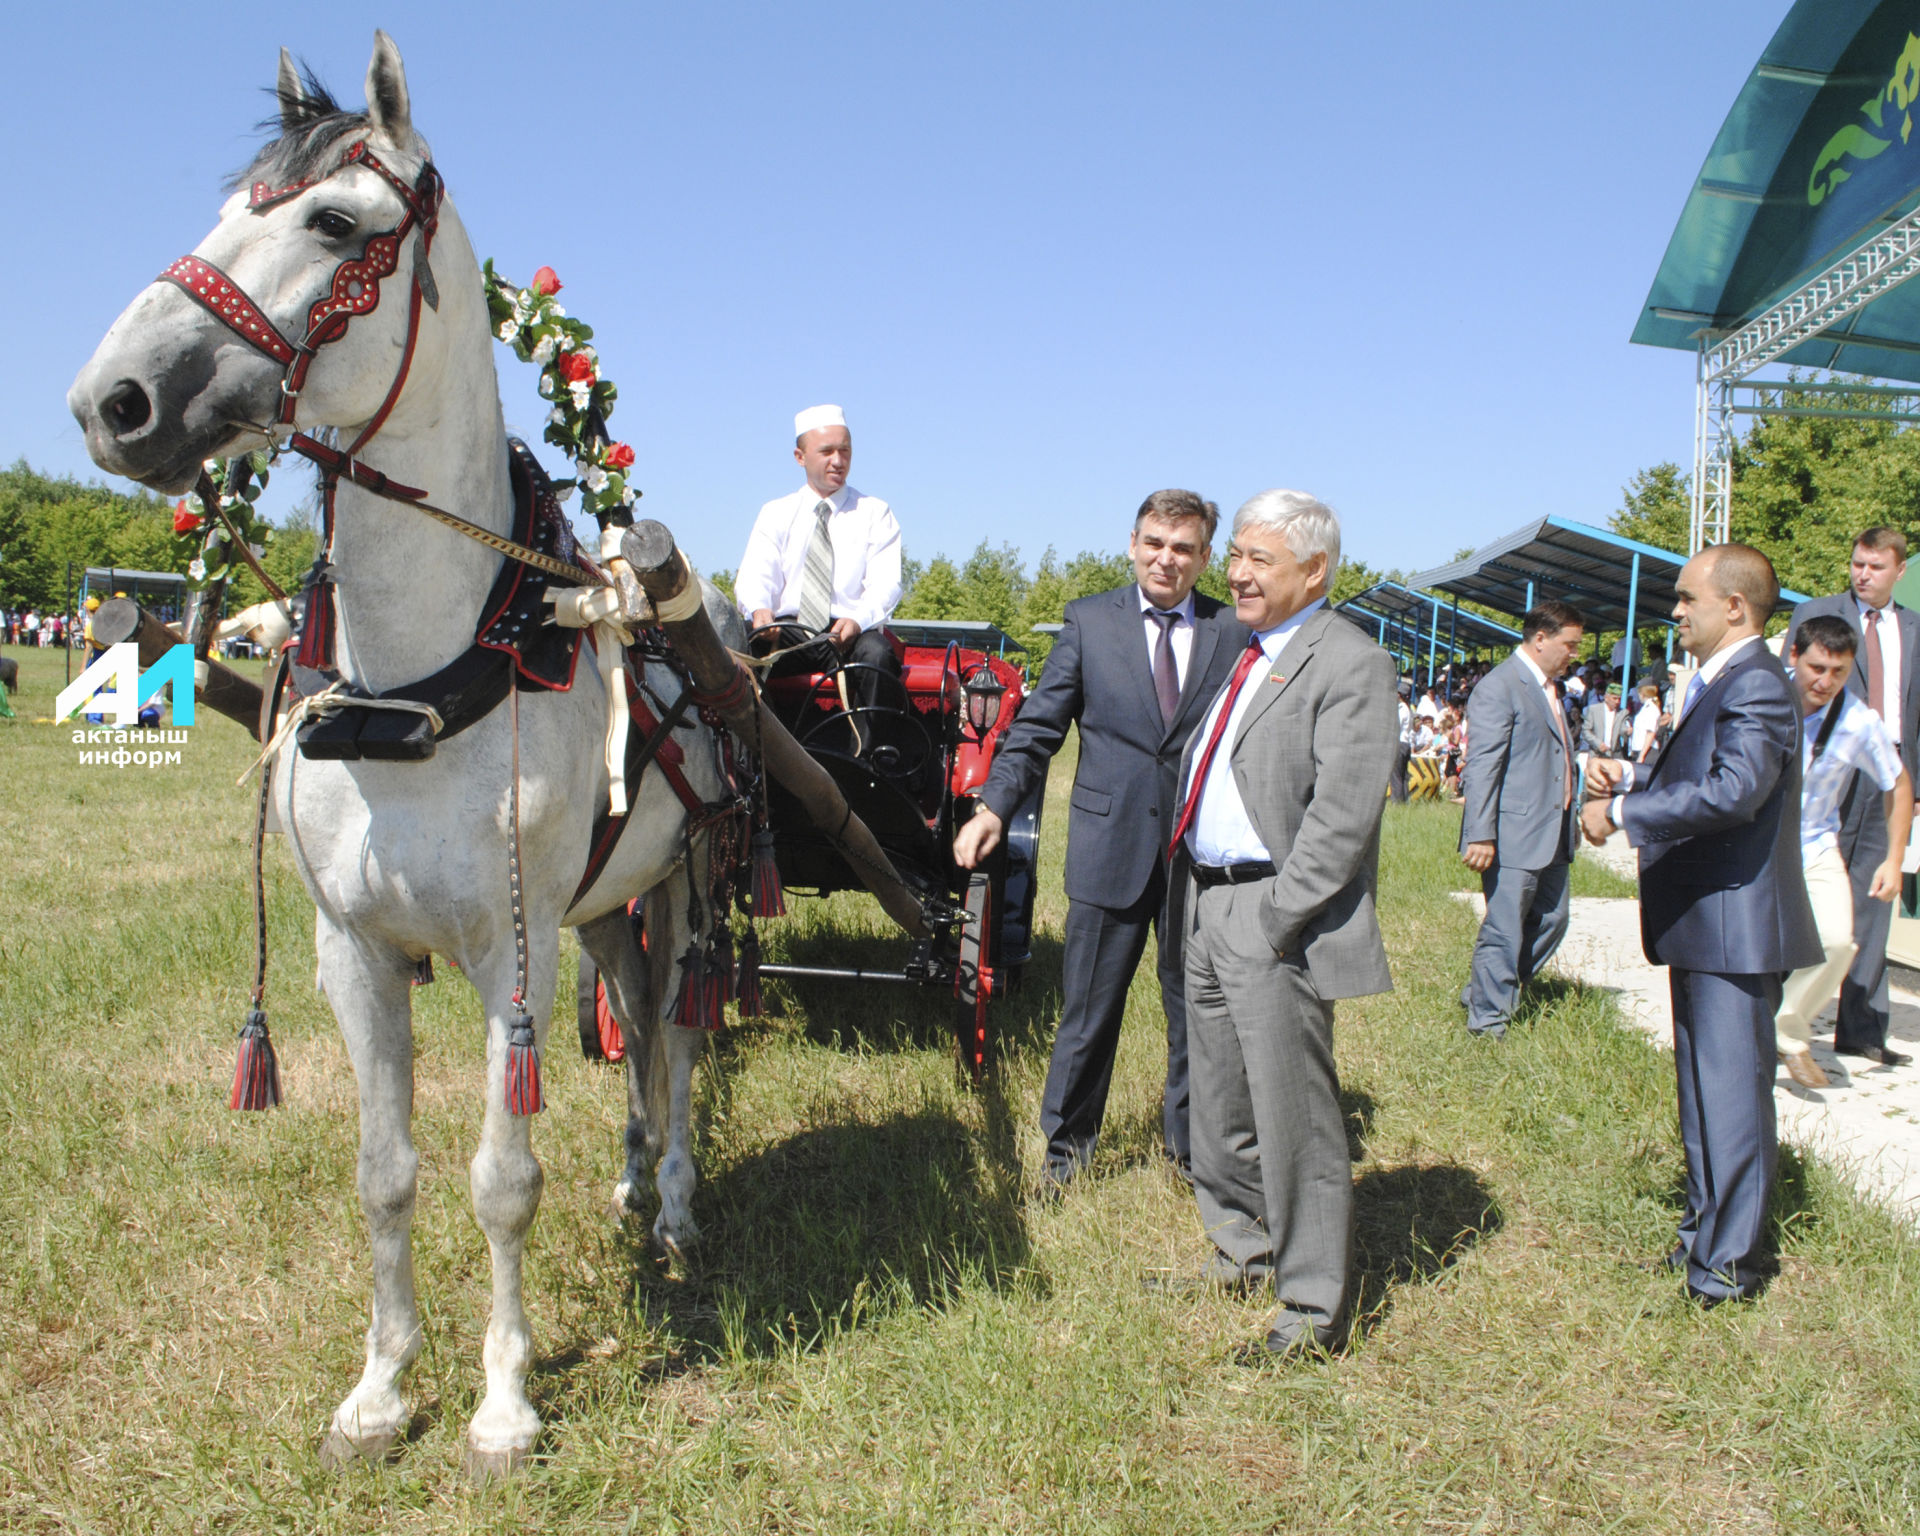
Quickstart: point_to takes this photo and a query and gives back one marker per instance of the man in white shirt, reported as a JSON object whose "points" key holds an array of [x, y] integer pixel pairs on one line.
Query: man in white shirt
{"points": [[1886, 675], [1397, 784], [1839, 736], [824, 560]]}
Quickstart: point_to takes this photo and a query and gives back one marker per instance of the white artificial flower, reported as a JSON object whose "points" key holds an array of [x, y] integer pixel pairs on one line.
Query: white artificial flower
{"points": [[556, 311], [627, 494], [596, 478], [509, 328], [546, 386], [557, 416], [564, 493], [197, 569], [582, 394], [543, 350]]}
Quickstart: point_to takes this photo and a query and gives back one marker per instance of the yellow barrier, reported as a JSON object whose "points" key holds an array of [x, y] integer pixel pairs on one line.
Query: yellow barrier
{"points": [[1423, 778]]}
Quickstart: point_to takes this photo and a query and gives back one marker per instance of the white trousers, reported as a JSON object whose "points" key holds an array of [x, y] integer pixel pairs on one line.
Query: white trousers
{"points": [[1811, 988]]}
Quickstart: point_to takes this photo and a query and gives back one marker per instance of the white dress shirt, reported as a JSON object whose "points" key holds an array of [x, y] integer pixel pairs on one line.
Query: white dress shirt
{"points": [[866, 556], [1889, 634], [1222, 832], [1182, 633]]}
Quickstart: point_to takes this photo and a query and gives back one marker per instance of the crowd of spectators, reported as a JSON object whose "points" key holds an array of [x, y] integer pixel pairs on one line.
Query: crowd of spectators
{"points": [[27, 626]]}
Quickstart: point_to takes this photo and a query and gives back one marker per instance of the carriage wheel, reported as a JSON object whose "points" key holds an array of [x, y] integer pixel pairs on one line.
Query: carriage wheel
{"points": [[973, 981], [587, 1009]]}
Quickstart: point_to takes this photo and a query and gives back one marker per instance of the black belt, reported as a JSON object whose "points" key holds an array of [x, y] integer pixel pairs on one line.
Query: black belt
{"points": [[1205, 875]]}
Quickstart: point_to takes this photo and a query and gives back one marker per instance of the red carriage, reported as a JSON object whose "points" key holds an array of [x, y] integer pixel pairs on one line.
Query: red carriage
{"points": [[910, 755]]}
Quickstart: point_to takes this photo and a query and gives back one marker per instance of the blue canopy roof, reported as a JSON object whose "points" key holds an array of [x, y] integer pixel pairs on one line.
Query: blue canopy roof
{"points": [[1422, 625], [1817, 155]]}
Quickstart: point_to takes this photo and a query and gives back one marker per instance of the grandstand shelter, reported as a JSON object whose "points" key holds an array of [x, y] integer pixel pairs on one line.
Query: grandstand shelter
{"points": [[1797, 240], [1419, 627], [161, 593]]}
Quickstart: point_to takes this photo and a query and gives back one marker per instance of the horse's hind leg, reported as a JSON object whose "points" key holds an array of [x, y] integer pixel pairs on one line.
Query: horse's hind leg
{"points": [[369, 994], [506, 1181], [609, 941], [676, 1053]]}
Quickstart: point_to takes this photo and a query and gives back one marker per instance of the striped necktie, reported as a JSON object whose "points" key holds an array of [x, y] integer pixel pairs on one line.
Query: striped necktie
{"points": [[816, 581]]}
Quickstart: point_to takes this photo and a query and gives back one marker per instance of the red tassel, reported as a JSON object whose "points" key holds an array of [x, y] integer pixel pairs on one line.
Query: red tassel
{"points": [[523, 1068], [720, 967], [769, 897], [256, 1075], [747, 989], [690, 1009], [316, 630]]}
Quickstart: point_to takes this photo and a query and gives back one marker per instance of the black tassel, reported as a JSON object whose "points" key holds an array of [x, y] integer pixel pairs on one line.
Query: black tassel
{"points": [[747, 989], [690, 1009], [316, 630], [769, 897], [523, 1068], [256, 1075]]}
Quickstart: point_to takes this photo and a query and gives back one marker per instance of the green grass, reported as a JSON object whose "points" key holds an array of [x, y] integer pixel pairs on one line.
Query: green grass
{"points": [[881, 1331]]}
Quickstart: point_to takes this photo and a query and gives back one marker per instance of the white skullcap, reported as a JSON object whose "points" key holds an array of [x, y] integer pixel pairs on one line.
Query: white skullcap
{"points": [[815, 417]]}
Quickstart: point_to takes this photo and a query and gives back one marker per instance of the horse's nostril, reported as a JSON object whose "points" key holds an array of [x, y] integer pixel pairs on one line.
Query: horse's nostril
{"points": [[126, 408]]}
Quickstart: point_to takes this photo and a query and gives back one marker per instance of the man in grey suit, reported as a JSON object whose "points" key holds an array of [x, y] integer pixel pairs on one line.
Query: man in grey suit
{"points": [[1723, 902], [1603, 728], [1133, 668], [1518, 832], [1886, 673], [1278, 844]]}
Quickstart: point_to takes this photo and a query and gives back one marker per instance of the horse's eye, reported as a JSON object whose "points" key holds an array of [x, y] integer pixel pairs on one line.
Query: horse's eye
{"points": [[335, 226]]}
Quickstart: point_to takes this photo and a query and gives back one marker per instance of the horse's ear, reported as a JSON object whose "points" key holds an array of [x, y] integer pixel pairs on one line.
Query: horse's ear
{"points": [[387, 104], [295, 105]]}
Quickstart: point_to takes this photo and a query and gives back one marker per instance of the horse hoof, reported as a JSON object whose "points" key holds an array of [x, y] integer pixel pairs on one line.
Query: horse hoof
{"points": [[483, 1467], [621, 1209], [342, 1453]]}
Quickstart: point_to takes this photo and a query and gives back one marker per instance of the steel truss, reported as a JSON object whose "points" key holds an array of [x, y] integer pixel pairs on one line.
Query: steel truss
{"points": [[1815, 307]]}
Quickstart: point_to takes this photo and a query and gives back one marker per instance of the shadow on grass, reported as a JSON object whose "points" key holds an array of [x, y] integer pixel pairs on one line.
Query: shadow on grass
{"points": [[813, 1235], [1412, 1224]]}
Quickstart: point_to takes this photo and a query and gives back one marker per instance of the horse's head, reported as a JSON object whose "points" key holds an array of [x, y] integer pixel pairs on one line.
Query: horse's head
{"points": [[297, 309]]}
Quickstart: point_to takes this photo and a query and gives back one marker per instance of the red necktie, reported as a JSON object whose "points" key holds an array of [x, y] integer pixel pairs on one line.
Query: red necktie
{"points": [[1248, 657], [1876, 666]]}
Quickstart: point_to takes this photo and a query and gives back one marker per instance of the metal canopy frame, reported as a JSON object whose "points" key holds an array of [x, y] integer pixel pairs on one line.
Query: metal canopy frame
{"points": [[1399, 614]]}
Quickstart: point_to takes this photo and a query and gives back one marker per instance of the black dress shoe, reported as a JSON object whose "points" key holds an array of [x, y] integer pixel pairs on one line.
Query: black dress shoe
{"points": [[1282, 1348], [1884, 1055]]}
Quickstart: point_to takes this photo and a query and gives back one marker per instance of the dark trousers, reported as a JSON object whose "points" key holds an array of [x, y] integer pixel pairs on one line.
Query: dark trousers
{"points": [[1723, 1054], [800, 652], [1397, 780], [1526, 920], [1863, 847], [1103, 949]]}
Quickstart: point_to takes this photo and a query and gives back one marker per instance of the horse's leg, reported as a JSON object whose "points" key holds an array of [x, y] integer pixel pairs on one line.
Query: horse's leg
{"points": [[677, 1052], [609, 941], [506, 1181], [368, 989]]}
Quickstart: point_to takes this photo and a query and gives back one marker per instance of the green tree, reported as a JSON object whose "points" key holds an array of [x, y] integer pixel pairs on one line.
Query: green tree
{"points": [[994, 585], [937, 594]]}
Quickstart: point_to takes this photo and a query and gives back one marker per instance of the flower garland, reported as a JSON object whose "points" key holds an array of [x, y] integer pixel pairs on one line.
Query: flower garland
{"points": [[202, 538], [540, 331]]}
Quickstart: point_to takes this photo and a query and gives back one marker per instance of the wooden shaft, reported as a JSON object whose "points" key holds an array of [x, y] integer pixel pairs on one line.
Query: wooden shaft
{"points": [[225, 691], [665, 576]]}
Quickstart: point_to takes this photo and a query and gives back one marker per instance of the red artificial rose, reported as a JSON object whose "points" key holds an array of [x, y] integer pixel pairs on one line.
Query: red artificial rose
{"points": [[619, 456], [185, 519], [546, 282], [576, 367]]}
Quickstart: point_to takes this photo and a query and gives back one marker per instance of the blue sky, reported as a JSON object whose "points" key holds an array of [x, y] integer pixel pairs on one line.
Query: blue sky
{"points": [[1049, 256]]}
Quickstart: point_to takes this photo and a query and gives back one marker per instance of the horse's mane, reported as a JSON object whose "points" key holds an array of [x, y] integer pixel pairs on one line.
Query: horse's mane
{"points": [[309, 126]]}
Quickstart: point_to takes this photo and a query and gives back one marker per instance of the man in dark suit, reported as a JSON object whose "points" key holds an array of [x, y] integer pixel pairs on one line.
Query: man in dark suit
{"points": [[1886, 673], [1134, 668], [1723, 901], [1518, 832], [1278, 845]]}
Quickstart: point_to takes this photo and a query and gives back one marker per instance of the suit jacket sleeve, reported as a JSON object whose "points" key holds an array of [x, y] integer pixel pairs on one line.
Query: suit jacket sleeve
{"points": [[1755, 735], [1489, 736], [1040, 727], [1355, 732]]}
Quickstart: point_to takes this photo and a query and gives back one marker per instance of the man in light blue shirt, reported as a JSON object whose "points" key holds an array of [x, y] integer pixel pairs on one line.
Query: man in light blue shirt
{"points": [[1839, 735]]}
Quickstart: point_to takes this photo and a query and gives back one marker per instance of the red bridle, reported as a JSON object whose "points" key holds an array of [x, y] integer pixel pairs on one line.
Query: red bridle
{"points": [[355, 290]]}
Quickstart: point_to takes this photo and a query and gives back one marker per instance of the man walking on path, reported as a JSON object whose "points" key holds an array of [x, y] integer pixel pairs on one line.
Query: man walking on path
{"points": [[1840, 736], [1886, 674], [1518, 831], [1134, 669], [1278, 846], [1723, 903]]}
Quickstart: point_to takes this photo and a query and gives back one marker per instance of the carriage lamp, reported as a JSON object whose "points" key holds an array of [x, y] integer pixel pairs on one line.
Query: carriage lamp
{"points": [[983, 699]]}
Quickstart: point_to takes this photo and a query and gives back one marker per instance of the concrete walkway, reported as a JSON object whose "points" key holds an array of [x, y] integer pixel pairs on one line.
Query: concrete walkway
{"points": [[1867, 1124]]}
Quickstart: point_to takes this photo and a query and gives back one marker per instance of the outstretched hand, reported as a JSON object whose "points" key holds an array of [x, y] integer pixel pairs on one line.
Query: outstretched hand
{"points": [[978, 838]]}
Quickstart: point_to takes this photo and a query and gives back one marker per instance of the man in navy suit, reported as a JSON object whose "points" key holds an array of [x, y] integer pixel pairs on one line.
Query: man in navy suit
{"points": [[1886, 673], [1135, 668], [1723, 901]]}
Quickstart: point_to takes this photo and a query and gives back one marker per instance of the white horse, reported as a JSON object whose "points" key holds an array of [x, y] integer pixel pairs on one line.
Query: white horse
{"points": [[407, 859]]}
